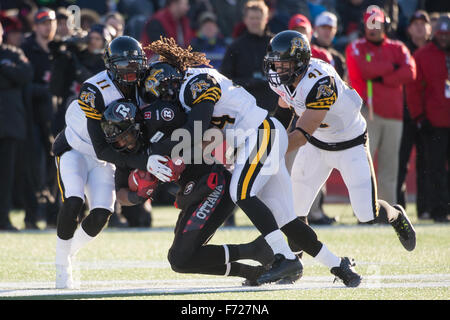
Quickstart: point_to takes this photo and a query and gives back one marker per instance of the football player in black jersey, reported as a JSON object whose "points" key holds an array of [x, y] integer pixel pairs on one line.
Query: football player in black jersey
{"points": [[203, 195]]}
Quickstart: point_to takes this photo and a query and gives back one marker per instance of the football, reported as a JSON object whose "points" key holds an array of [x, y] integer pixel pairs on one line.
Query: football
{"points": [[136, 176]]}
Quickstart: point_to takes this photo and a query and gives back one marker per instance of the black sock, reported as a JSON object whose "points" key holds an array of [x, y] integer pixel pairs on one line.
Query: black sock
{"points": [[245, 271], [259, 214], [257, 250]]}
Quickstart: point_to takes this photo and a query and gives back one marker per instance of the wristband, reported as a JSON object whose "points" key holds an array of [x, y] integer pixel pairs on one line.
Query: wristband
{"points": [[306, 134]]}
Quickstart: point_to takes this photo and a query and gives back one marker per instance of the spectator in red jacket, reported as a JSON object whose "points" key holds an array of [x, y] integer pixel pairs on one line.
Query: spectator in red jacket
{"points": [[429, 105], [377, 68], [168, 22]]}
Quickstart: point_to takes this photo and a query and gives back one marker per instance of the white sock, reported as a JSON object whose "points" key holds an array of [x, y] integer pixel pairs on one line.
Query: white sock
{"points": [[62, 251], [278, 243], [326, 257], [80, 239]]}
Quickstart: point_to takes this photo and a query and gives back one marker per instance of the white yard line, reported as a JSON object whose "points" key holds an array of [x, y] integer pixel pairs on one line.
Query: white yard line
{"points": [[211, 285]]}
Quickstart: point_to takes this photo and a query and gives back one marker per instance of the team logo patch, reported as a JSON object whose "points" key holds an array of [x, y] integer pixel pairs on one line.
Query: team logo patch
{"points": [[152, 82], [167, 114], [324, 91], [296, 43], [188, 188], [88, 98], [147, 115], [198, 87]]}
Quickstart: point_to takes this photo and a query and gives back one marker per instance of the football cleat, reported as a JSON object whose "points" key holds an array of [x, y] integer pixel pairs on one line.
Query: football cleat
{"points": [[346, 273], [250, 283], [64, 278], [404, 229], [290, 279], [281, 268]]}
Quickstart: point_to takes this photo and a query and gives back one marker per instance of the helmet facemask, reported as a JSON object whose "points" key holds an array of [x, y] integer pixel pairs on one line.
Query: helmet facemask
{"points": [[121, 126], [282, 71], [127, 71], [125, 60], [127, 140]]}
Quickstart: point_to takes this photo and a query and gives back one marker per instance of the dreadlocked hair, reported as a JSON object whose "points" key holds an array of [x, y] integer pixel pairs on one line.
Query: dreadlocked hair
{"points": [[171, 53]]}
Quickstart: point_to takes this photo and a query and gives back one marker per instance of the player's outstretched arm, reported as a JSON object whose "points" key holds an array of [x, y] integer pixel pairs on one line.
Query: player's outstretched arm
{"points": [[308, 122]]}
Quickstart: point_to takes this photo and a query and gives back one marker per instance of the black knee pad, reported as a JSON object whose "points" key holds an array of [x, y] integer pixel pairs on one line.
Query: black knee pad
{"points": [[67, 220], [96, 221], [178, 261], [302, 237]]}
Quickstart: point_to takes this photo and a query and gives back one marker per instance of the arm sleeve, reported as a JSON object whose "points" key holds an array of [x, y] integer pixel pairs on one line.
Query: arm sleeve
{"points": [[121, 178]]}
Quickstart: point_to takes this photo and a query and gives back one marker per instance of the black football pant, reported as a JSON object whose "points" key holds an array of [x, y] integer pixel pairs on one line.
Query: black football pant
{"points": [[196, 224]]}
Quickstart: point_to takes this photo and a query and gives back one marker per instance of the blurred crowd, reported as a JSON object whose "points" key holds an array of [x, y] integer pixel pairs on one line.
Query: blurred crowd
{"points": [[402, 72]]}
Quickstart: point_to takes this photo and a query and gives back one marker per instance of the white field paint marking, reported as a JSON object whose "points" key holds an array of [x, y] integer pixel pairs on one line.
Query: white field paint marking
{"points": [[211, 285]]}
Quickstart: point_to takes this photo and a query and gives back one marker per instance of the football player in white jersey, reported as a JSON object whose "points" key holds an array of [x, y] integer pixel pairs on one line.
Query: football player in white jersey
{"points": [[80, 173], [260, 184], [85, 161], [330, 130]]}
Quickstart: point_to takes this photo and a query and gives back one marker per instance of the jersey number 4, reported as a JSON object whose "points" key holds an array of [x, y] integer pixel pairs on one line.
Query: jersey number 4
{"points": [[313, 73]]}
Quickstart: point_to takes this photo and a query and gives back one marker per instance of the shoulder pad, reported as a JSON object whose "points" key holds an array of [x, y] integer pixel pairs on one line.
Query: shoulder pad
{"points": [[200, 88], [322, 95], [91, 101]]}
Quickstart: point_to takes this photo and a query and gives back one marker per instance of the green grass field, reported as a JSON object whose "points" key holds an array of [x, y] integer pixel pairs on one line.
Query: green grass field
{"points": [[132, 264]]}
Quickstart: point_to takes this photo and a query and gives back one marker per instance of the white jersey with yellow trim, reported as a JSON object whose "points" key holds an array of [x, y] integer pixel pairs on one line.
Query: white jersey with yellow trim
{"points": [[234, 108], [76, 131], [98, 92], [322, 88]]}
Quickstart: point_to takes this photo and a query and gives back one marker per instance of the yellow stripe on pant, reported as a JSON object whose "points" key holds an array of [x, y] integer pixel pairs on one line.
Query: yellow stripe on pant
{"points": [[58, 176], [256, 159]]}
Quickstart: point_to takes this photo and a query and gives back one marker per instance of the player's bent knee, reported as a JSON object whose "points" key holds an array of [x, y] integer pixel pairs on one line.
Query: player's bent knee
{"points": [[178, 261], [68, 217], [96, 221]]}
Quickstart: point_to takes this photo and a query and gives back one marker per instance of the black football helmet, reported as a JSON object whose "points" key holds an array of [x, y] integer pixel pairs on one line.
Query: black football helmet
{"points": [[121, 126], [287, 46], [125, 60], [161, 81]]}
